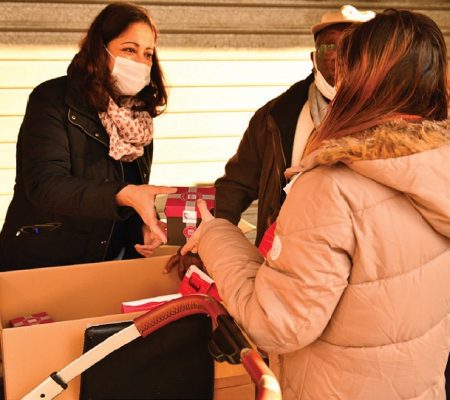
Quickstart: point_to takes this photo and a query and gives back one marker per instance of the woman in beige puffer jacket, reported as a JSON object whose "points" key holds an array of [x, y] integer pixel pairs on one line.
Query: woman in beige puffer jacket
{"points": [[353, 301]]}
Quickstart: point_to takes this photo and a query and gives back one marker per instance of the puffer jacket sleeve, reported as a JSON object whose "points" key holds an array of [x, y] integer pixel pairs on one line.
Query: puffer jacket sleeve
{"points": [[46, 163], [285, 303]]}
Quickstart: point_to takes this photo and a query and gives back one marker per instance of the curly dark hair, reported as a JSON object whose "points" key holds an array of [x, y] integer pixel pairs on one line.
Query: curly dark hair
{"points": [[89, 68]]}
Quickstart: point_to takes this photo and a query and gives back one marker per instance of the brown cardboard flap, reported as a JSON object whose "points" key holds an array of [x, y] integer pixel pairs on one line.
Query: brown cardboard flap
{"points": [[81, 291]]}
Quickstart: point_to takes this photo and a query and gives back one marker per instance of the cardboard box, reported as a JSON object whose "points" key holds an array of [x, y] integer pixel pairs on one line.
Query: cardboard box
{"points": [[76, 297], [183, 216]]}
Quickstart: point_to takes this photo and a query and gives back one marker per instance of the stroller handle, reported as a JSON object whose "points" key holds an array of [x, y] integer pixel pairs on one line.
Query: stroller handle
{"points": [[176, 309], [228, 343], [267, 387]]}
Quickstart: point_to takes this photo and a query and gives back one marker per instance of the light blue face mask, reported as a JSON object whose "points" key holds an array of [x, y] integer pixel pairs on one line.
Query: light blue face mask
{"points": [[130, 76]]}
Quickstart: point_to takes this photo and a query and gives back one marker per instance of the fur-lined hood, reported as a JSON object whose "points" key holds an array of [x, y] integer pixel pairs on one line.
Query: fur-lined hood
{"points": [[413, 158], [393, 139]]}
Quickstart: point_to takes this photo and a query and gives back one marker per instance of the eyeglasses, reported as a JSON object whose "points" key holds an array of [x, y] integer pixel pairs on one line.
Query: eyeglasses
{"points": [[38, 228], [324, 49]]}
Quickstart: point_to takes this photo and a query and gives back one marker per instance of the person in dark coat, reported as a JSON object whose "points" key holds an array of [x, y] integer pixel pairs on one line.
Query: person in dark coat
{"points": [[278, 132], [84, 152]]}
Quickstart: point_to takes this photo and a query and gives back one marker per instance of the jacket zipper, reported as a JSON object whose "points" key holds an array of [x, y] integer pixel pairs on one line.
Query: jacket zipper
{"points": [[121, 168], [141, 174], [114, 222], [275, 145], [277, 165]]}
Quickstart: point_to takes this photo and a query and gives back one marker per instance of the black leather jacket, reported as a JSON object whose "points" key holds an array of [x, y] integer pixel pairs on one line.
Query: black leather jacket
{"points": [[256, 171], [63, 210]]}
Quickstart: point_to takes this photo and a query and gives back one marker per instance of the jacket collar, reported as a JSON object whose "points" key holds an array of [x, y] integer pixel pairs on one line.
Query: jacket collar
{"points": [[394, 139], [83, 115], [76, 100], [410, 158], [285, 111]]}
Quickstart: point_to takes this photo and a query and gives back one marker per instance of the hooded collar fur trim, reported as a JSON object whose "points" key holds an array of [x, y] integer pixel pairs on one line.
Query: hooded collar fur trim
{"points": [[390, 140]]}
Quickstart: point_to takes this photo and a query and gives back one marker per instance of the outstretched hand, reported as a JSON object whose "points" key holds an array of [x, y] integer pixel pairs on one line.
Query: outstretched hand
{"points": [[142, 199], [151, 241], [192, 243]]}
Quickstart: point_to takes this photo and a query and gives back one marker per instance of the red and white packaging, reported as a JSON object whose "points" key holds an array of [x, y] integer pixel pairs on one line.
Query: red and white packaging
{"points": [[183, 216], [147, 304], [267, 240], [33, 319], [195, 281]]}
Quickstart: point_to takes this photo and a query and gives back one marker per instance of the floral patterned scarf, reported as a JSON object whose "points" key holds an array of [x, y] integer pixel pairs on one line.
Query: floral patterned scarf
{"points": [[129, 130]]}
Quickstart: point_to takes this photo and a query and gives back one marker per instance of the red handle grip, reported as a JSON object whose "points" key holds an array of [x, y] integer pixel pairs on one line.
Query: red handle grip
{"points": [[177, 309], [267, 386]]}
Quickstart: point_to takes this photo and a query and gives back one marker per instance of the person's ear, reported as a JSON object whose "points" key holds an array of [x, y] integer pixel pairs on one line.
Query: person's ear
{"points": [[311, 55]]}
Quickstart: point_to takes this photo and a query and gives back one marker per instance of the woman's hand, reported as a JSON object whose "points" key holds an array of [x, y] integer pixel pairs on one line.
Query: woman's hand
{"points": [[142, 199], [192, 243], [151, 240]]}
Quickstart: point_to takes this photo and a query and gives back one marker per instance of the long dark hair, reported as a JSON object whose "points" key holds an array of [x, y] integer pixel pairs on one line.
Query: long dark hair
{"points": [[89, 68], [393, 66]]}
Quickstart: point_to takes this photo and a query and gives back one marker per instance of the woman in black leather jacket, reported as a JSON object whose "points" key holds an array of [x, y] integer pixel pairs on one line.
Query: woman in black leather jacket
{"points": [[84, 152]]}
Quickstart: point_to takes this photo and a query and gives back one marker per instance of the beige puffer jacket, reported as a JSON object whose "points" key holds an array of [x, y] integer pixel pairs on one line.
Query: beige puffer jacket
{"points": [[355, 295]]}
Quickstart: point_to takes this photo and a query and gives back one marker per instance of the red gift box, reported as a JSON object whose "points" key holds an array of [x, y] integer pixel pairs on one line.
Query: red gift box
{"points": [[33, 319], [183, 216], [195, 281]]}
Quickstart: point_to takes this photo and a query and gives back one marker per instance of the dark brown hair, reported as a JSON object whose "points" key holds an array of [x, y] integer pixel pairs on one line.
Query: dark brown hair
{"points": [[393, 66], [89, 68]]}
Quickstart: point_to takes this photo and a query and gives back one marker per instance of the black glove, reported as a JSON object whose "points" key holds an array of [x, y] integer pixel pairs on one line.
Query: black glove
{"points": [[182, 263]]}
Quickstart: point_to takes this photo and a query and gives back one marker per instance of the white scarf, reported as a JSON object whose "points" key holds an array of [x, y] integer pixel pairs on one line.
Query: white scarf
{"points": [[318, 105], [309, 119]]}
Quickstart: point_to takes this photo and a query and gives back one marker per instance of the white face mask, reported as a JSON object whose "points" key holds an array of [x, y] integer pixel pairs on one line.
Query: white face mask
{"points": [[131, 76], [324, 87]]}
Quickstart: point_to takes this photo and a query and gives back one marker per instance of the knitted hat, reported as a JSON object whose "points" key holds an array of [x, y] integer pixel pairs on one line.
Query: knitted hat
{"points": [[346, 15]]}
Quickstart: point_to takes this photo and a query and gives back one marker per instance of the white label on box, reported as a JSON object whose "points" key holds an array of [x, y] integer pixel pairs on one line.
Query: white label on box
{"points": [[190, 216]]}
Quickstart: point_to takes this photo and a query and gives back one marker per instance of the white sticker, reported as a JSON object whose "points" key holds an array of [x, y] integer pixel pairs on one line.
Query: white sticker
{"points": [[189, 216], [276, 248]]}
